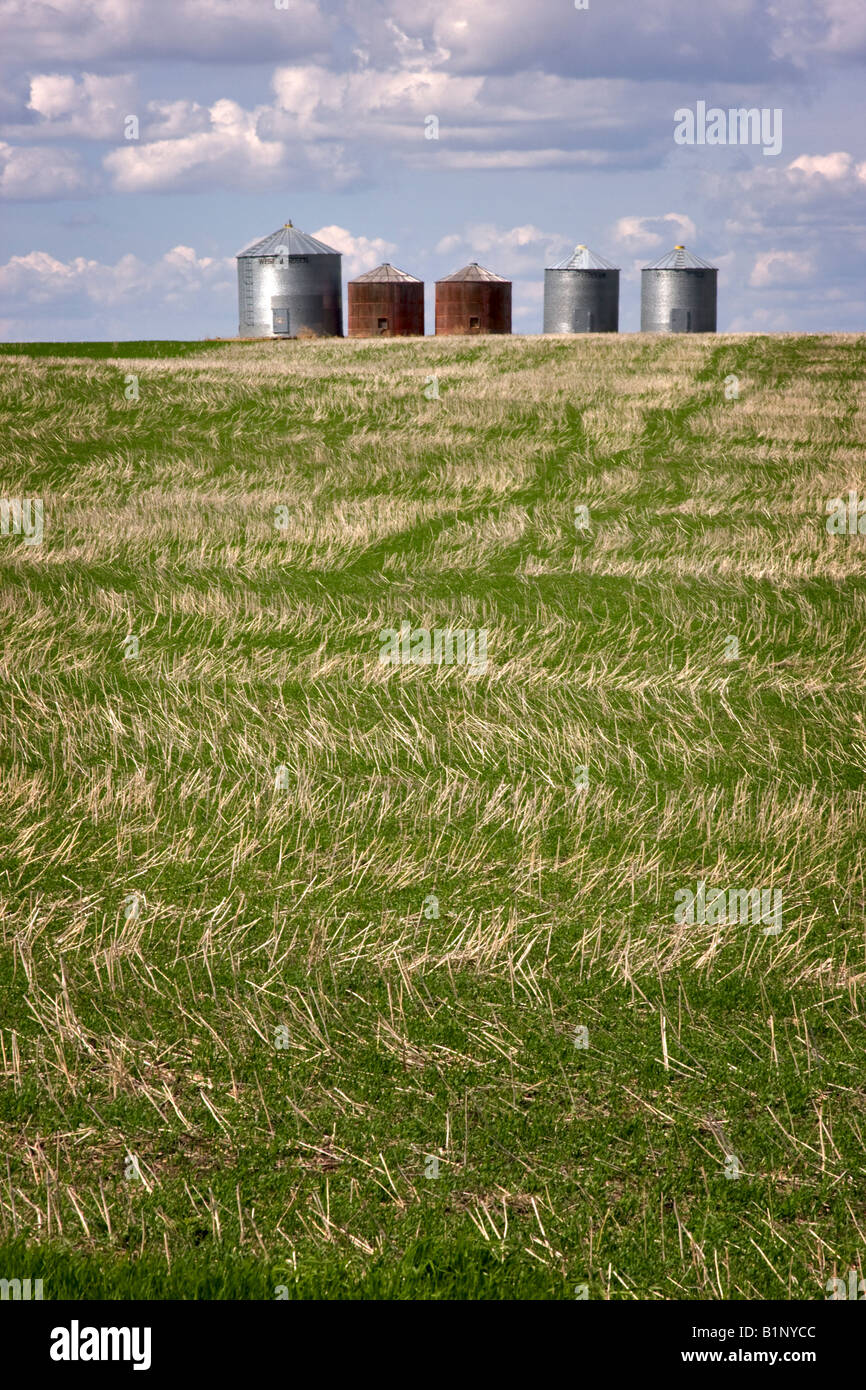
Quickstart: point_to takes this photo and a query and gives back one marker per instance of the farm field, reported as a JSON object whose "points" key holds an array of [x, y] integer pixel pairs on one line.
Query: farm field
{"points": [[329, 977]]}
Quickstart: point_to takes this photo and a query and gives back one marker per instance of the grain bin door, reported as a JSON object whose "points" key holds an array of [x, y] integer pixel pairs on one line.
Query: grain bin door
{"points": [[680, 321], [281, 321]]}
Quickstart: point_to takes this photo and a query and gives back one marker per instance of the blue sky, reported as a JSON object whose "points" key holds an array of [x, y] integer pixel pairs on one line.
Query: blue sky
{"points": [[556, 126]]}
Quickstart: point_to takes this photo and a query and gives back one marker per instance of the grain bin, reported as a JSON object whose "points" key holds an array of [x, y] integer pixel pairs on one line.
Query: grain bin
{"points": [[678, 294], [289, 284], [473, 300], [581, 294], [386, 303]]}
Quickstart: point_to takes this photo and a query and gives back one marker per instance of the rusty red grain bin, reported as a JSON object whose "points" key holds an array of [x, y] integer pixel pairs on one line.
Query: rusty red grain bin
{"points": [[473, 300], [386, 303]]}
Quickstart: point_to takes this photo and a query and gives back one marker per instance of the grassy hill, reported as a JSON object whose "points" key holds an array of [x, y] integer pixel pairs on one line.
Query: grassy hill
{"points": [[351, 979]]}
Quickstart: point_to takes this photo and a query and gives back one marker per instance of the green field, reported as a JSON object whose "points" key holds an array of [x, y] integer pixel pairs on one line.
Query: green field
{"points": [[341, 979]]}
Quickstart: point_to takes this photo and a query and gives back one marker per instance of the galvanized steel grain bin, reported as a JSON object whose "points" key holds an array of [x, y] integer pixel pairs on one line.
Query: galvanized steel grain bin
{"points": [[289, 284], [581, 294], [678, 294]]}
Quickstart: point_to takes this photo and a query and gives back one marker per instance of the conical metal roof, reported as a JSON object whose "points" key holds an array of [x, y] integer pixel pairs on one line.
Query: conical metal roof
{"points": [[473, 272], [582, 258], [287, 241], [679, 259], [385, 272]]}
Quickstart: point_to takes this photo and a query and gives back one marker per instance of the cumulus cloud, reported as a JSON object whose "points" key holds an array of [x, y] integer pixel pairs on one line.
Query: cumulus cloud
{"points": [[166, 120], [810, 178], [800, 239], [39, 278], [230, 149], [814, 193], [571, 113], [86, 298], [40, 172], [511, 251], [357, 80], [781, 268], [744, 39], [838, 165], [649, 233], [834, 29], [528, 159], [332, 130], [339, 111], [227, 146], [315, 101], [845, 35], [740, 39], [238, 31], [359, 253], [92, 108], [548, 122]]}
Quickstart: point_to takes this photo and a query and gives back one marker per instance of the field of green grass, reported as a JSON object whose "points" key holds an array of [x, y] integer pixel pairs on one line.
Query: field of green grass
{"points": [[323, 977]]}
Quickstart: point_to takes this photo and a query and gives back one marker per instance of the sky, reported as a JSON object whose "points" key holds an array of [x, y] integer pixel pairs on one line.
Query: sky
{"points": [[144, 142]]}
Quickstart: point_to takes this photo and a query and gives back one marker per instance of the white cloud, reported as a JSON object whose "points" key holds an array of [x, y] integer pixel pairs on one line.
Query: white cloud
{"points": [[170, 119], [648, 233], [447, 244], [512, 251], [810, 179], [230, 149], [223, 145], [484, 236], [815, 28], [483, 122], [838, 165], [846, 35], [814, 194], [53, 96], [747, 39], [86, 31], [317, 101], [92, 108], [619, 37], [326, 129], [520, 159], [330, 129], [415, 52], [781, 268], [40, 172], [178, 276], [360, 253]]}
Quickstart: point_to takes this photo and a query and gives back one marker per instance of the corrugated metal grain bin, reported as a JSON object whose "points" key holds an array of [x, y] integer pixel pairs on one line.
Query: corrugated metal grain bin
{"points": [[473, 300], [678, 294], [386, 303], [581, 294], [289, 284]]}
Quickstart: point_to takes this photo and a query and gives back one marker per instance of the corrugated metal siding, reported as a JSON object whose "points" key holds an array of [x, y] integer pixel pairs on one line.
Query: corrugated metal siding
{"points": [[678, 301], [458, 302], [581, 301], [400, 302], [310, 287]]}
